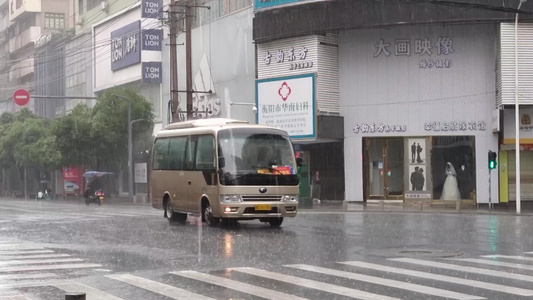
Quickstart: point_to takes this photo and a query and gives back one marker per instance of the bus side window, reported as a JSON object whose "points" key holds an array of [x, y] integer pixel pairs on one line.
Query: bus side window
{"points": [[160, 154], [205, 156], [189, 154], [176, 153]]}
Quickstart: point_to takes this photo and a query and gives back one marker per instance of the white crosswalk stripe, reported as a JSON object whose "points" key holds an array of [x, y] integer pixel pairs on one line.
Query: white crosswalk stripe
{"points": [[495, 263], [6, 257], [443, 278], [159, 288], [238, 286], [388, 282], [313, 284], [465, 269], [513, 257], [90, 292]]}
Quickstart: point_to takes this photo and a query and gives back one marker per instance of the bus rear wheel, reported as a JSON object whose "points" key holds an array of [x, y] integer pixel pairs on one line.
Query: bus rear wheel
{"points": [[207, 215], [275, 222]]}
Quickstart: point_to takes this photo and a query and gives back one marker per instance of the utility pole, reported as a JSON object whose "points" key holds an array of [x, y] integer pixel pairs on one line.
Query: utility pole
{"points": [[174, 61], [188, 57]]}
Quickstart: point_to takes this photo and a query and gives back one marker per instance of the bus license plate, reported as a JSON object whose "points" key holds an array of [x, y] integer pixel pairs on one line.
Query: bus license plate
{"points": [[263, 207]]}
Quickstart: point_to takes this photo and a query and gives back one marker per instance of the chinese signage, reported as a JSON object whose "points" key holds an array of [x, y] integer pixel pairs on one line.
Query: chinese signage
{"points": [[151, 9], [288, 103], [525, 124], [372, 128], [72, 181], [125, 48], [455, 126], [296, 58], [152, 39], [258, 4], [432, 54], [141, 173], [151, 72]]}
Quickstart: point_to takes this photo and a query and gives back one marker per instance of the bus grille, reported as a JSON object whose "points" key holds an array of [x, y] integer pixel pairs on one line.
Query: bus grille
{"points": [[261, 198]]}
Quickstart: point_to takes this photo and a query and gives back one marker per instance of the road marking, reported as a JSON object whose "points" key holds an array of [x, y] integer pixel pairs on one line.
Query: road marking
{"points": [[27, 276], [158, 288], [465, 269], [19, 247], [523, 258], [444, 278], [48, 267], [387, 282], [38, 261], [7, 257], [90, 292], [312, 284], [495, 263], [237, 286], [24, 252]]}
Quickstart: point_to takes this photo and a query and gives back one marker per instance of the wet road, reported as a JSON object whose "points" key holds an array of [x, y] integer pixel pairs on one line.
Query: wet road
{"points": [[132, 252]]}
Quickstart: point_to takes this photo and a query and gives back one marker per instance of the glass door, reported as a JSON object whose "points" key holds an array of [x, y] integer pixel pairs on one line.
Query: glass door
{"points": [[383, 168]]}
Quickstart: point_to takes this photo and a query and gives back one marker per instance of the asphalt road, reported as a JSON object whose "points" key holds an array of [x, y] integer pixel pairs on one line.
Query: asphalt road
{"points": [[131, 252]]}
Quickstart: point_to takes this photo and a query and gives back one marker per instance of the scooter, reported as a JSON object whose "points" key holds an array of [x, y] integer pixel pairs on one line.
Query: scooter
{"points": [[97, 197], [43, 195]]}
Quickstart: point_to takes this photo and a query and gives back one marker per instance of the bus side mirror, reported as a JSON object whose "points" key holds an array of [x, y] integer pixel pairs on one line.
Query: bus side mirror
{"points": [[221, 162], [299, 162]]}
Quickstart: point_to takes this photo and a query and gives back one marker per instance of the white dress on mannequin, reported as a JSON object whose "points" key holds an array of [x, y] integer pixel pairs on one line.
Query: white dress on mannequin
{"points": [[450, 191]]}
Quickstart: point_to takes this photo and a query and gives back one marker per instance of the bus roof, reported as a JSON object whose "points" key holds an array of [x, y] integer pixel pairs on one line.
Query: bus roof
{"points": [[208, 125]]}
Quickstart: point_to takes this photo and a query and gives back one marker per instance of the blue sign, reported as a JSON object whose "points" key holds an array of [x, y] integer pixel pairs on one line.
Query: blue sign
{"points": [[152, 72], [258, 4], [151, 9], [125, 46], [152, 39]]}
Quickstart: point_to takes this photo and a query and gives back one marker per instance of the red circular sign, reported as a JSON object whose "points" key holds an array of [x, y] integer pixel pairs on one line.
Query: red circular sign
{"points": [[21, 97]]}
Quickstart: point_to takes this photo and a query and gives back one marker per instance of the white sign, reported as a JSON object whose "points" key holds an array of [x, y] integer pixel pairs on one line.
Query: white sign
{"points": [[288, 103], [525, 125], [141, 173]]}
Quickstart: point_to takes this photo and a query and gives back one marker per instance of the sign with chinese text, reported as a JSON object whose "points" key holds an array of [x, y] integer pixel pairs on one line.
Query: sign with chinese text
{"points": [[432, 53], [456, 126], [141, 173], [525, 124], [152, 39], [151, 72], [288, 103], [378, 128], [151, 9], [125, 46], [72, 181]]}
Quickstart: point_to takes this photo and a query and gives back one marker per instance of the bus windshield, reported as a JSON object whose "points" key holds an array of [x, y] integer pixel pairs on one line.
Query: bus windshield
{"points": [[256, 157]]}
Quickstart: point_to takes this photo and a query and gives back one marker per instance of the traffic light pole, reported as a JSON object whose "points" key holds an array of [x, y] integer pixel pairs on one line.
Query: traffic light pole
{"points": [[490, 196]]}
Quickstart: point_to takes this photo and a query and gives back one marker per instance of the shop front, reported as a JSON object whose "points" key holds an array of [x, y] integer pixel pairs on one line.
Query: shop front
{"points": [[417, 104]]}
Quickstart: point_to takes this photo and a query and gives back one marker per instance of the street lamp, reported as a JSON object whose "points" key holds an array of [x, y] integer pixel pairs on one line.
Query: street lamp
{"points": [[231, 103], [130, 171], [516, 109]]}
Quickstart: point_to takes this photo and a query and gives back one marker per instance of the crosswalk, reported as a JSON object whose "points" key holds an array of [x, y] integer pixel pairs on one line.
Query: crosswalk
{"points": [[462, 278]]}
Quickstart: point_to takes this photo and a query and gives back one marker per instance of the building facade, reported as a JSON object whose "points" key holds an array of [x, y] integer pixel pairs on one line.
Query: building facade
{"points": [[423, 96]]}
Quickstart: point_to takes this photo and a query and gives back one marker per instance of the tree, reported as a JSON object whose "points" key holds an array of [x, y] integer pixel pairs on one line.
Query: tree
{"points": [[97, 138]]}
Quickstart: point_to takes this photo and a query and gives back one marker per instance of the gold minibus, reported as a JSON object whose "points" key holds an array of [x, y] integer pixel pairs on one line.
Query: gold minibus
{"points": [[224, 170]]}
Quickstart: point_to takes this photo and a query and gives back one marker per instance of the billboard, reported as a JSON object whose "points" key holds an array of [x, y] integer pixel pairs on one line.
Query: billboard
{"points": [[288, 103], [260, 4], [125, 46]]}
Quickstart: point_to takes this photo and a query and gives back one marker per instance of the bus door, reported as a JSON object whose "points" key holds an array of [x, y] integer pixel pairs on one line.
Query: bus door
{"points": [[178, 187], [203, 178]]}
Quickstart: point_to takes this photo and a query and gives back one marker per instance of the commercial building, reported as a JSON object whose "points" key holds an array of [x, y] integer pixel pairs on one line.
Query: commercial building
{"points": [[424, 90]]}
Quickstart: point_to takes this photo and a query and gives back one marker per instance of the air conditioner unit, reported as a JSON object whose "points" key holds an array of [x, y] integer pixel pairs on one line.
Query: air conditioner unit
{"points": [[79, 20], [103, 6]]}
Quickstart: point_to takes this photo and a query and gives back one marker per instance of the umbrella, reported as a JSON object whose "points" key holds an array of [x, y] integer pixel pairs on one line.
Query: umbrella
{"points": [[91, 174]]}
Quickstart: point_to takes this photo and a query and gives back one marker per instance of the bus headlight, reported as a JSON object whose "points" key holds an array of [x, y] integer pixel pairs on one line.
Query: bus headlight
{"points": [[230, 198], [290, 198]]}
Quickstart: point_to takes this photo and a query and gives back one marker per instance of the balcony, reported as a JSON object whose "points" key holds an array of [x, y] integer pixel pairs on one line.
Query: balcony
{"points": [[19, 7], [21, 69], [23, 39]]}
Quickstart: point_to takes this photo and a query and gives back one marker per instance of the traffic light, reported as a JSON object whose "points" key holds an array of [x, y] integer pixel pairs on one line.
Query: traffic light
{"points": [[492, 160]]}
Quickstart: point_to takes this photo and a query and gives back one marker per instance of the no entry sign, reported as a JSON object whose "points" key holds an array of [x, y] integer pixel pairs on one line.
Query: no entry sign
{"points": [[21, 97]]}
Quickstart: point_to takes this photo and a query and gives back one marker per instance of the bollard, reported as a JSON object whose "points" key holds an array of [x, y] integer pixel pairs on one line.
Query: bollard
{"points": [[75, 296]]}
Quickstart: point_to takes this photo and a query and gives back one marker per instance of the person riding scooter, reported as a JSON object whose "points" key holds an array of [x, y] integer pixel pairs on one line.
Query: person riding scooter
{"points": [[94, 192]]}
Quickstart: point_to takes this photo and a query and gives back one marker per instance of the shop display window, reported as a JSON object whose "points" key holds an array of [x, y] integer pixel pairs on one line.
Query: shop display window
{"points": [[453, 167]]}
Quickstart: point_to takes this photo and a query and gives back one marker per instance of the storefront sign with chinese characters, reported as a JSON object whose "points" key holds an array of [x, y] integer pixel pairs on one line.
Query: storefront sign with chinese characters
{"points": [[419, 47], [372, 128], [455, 126], [296, 57]]}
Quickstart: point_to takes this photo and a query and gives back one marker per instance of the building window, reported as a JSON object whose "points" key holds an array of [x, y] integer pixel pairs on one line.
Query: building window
{"points": [[54, 21]]}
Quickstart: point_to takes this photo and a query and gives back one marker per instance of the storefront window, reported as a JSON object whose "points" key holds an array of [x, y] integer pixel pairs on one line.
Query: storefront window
{"points": [[453, 167]]}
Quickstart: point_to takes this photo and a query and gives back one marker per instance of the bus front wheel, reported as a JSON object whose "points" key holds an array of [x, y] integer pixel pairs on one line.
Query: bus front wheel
{"points": [[174, 216], [207, 215]]}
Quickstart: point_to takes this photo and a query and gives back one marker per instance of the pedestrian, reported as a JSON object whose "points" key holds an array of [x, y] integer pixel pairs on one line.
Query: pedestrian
{"points": [[315, 181]]}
